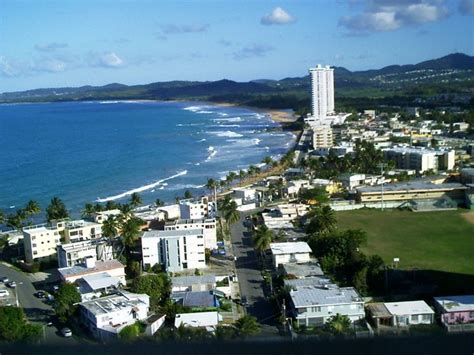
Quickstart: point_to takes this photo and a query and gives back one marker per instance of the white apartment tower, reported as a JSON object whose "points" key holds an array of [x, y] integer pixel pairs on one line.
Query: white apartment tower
{"points": [[322, 91]]}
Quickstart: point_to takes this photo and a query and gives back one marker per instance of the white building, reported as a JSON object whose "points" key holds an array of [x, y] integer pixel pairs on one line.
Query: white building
{"points": [[282, 216], [294, 252], [92, 267], [322, 91], [174, 250], [193, 283], [102, 216], [246, 194], [196, 208], [208, 320], [105, 317], [208, 226], [97, 285], [421, 159], [79, 230], [76, 253], [410, 313]]}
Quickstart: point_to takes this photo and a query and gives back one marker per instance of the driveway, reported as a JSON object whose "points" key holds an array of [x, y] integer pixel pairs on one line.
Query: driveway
{"points": [[250, 278], [35, 309]]}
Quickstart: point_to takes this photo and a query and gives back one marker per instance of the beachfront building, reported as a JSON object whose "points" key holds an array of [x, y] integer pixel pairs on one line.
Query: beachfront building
{"points": [[314, 300], [105, 317], [197, 208], [92, 267], [40, 242], [291, 252], [100, 217], [76, 253], [421, 159], [208, 226], [322, 137], [322, 91], [174, 250]]}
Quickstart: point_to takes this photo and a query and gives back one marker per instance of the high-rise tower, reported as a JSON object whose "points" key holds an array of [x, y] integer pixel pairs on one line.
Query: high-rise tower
{"points": [[322, 91]]}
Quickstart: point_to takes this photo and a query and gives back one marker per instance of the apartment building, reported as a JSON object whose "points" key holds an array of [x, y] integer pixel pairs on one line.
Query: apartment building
{"points": [[174, 250], [75, 253], [197, 208], [208, 226], [421, 159]]}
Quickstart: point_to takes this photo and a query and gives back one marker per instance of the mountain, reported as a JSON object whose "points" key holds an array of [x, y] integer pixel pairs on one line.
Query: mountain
{"points": [[453, 72]]}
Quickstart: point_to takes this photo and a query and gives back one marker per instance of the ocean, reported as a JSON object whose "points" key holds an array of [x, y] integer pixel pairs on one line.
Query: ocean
{"points": [[100, 151]]}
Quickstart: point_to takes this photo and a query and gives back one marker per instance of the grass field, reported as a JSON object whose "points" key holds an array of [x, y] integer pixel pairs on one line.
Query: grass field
{"points": [[442, 241]]}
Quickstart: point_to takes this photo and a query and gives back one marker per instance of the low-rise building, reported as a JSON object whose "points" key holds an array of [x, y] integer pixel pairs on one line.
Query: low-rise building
{"points": [[400, 314], [174, 250], [208, 226], [282, 216], [421, 159], [314, 300], [284, 253], [196, 300], [193, 283], [102, 216], [92, 267], [301, 270], [96, 285], [455, 309], [76, 253], [105, 317], [208, 320], [197, 208]]}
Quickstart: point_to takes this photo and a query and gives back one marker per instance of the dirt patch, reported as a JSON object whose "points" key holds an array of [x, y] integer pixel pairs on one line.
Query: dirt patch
{"points": [[469, 216]]}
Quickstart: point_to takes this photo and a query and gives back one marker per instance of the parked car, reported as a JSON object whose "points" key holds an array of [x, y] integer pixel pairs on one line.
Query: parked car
{"points": [[3, 293], [41, 294], [66, 332], [11, 284], [243, 301], [4, 279]]}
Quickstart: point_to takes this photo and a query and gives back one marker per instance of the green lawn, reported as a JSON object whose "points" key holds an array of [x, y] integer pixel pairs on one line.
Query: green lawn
{"points": [[441, 241]]}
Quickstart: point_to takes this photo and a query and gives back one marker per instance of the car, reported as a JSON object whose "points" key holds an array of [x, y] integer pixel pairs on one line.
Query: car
{"points": [[41, 294], [56, 288], [243, 301], [4, 279], [3, 293], [66, 332], [11, 284]]}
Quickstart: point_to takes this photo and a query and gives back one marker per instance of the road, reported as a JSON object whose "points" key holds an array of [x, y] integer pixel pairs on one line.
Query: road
{"points": [[250, 278], [35, 309]]}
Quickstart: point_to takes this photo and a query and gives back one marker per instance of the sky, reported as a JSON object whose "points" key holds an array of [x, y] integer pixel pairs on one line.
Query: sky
{"points": [[95, 42]]}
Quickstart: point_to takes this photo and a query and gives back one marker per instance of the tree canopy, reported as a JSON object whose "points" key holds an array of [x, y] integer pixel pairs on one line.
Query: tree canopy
{"points": [[64, 303], [14, 326], [156, 286], [56, 210]]}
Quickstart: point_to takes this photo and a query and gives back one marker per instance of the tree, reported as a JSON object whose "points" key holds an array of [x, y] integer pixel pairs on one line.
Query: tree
{"points": [[14, 326], [111, 205], [159, 203], [16, 220], [131, 332], [262, 238], [88, 211], [32, 207], [135, 200], [56, 210], [242, 175], [2, 217], [322, 220], [231, 214], [110, 227], [317, 194], [188, 194], [225, 332], [157, 287], [267, 160], [64, 303], [247, 325], [339, 324], [359, 281]]}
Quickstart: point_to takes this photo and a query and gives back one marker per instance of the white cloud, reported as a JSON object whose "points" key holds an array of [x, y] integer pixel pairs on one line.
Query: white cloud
{"points": [[51, 65], [278, 16], [105, 60], [252, 51], [466, 7], [389, 15], [9, 68]]}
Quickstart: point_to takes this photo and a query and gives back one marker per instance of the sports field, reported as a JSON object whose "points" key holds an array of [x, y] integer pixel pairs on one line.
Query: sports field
{"points": [[442, 241]]}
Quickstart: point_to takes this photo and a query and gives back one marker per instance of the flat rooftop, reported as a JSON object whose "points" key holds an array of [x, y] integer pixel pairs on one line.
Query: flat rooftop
{"points": [[190, 221], [113, 303], [409, 307], [290, 248], [456, 303], [200, 319], [303, 269], [312, 295], [172, 233], [378, 310], [412, 186], [100, 281], [81, 269], [182, 281]]}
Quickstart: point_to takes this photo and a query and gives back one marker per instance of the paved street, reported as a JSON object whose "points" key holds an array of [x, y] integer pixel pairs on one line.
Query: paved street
{"points": [[35, 309], [250, 278]]}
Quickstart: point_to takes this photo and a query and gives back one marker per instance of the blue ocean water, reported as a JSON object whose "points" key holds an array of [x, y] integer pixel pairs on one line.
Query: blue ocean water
{"points": [[98, 151]]}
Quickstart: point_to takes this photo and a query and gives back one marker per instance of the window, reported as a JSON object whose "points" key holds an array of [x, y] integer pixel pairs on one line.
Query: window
{"points": [[315, 309], [414, 318], [200, 236], [200, 261], [471, 314], [426, 317]]}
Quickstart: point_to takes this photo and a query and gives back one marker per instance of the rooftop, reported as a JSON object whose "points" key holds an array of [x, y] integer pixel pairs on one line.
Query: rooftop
{"points": [[303, 269], [456, 303], [99, 281], [172, 233], [289, 248], [113, 303], [201, 319], [81, 269], [190, 221], [182, 281], [409, 307], [378, 310], [314, 295], [195, 299], [414, 150], [412, 186]]}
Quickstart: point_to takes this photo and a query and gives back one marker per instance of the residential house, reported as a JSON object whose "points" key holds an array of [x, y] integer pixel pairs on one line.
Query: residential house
{"points": [[455, 309], [92, 267], [291, 252], [208, 320], [193, 283], [196, 300], [282, 216], [105, 317], [96, 285], [400, 314]]}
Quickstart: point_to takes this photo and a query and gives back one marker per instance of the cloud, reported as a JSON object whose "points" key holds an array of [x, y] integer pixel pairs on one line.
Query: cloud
{"points": [[278, 16], [171, 29], [466, 7], [105, 60], [10, 68], [50, 65], [252, 51], [390, 15], [50, 47], [224, 43]]}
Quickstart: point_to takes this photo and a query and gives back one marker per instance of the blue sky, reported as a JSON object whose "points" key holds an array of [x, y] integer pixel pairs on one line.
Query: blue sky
{"points": [[73, 43]]}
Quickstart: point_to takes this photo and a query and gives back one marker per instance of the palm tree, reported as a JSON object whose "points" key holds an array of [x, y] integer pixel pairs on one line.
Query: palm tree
{"points": [[16, 220], [88, 211], [135, 200], [267, 160], [56, 210], [251, 170], [2, 217], [322, 220], [32, 207], [339, 324], [188, 194], [242, 175], [247, 325], [130, 231], [262, 239], [231, 214], [159, 203], [111, 205], [110, 227]]}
